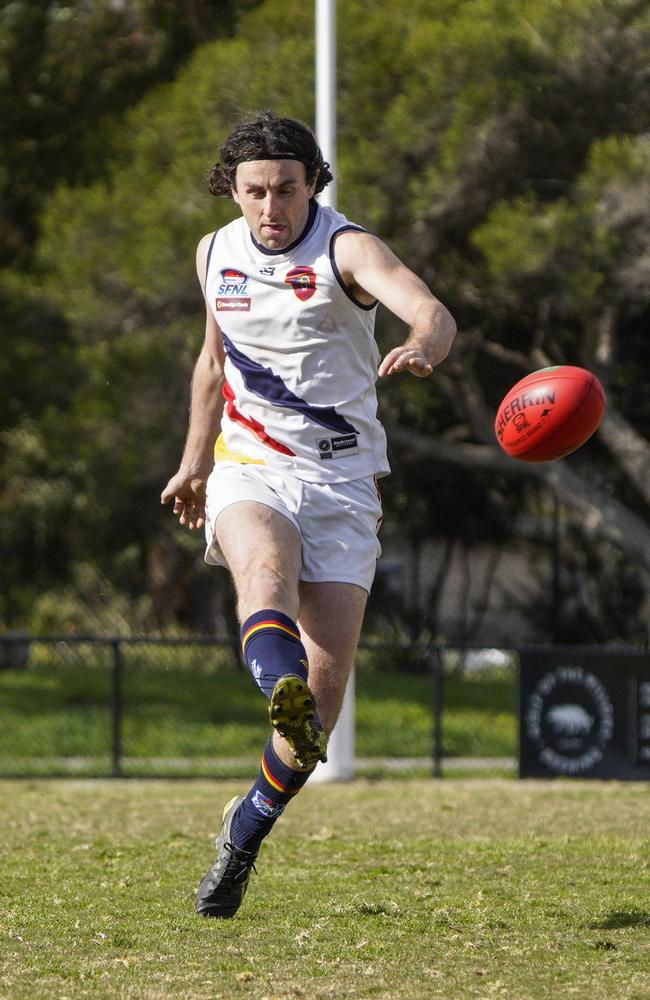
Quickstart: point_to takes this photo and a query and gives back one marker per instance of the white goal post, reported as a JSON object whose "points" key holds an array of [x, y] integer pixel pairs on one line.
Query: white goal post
{"points": [[340, 754]]}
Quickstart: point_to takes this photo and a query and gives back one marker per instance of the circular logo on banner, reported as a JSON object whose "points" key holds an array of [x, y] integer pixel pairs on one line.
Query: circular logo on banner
{"points": [[570, 720]]}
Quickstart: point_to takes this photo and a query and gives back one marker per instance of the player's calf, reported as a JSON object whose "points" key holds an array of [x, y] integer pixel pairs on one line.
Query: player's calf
{"points": [[272, 648]]}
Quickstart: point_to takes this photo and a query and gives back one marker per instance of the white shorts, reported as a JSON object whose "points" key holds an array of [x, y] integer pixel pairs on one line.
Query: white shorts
{"points": [[338, 522]]}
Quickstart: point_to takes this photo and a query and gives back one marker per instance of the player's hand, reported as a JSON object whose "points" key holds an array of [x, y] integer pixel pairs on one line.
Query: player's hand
{"points": [[188, 494], [405, 358]]}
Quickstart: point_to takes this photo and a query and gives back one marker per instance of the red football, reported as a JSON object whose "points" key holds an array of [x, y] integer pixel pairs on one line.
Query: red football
{"points": [[549, 413]]}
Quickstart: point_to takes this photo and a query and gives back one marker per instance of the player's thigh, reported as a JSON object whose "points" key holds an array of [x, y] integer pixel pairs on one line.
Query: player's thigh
{"points": [[331, 616], [262, 549]]}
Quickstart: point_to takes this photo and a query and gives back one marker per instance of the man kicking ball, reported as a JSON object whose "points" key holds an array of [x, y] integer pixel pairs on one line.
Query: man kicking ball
{"points": [[284, 449]]}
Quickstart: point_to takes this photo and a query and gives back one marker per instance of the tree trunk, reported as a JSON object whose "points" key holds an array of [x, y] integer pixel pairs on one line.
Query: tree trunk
{"points": [[629, 448]]}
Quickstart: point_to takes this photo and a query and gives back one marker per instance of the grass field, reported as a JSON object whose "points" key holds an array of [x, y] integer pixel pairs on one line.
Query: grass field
{"points": [[178, 719], [388, 890]]}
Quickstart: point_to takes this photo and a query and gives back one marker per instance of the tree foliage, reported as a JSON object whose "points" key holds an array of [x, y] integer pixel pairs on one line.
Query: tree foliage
{"points": [[499, 147], [67, 70]]}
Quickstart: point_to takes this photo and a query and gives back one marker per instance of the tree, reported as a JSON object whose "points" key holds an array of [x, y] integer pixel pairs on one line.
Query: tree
{"points": [[69, 69], [512, 176], [530, 175]]}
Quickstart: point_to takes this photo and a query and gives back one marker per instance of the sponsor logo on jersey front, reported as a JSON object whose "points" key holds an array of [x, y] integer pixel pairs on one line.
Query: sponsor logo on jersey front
{"points": [[233, 305], [231, 294], [233, 282], [338, 447], [303, 282]]}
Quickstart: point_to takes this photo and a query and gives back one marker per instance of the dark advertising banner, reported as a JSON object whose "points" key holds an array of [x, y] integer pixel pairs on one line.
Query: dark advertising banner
{"points": [[584, 715]]}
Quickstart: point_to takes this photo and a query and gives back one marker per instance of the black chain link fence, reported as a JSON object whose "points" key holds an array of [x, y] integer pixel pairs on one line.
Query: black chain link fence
{"points": [[120, 707]]}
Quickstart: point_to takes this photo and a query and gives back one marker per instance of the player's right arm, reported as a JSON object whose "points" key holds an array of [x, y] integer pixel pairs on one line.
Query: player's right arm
{"points": [[187, 486], [371, 271]]}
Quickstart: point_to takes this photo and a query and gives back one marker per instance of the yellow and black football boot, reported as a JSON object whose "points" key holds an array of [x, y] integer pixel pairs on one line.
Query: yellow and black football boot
{"points": [[293, 715]]}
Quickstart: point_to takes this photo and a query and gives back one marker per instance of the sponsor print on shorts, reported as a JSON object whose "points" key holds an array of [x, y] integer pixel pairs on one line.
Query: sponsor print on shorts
{"points": [[266, 806], [338, 447], [231, 294]]}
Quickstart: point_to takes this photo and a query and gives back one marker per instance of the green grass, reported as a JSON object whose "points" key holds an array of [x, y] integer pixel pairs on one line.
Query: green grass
{"points": [[181, 718], [382, 890], [479, 715]]}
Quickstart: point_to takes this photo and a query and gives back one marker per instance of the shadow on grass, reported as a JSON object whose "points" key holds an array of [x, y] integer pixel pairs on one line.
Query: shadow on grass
{"points": [[623, 918]]}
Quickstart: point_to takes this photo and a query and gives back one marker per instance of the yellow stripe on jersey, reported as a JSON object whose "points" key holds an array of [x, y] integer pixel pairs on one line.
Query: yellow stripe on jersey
{"points": [[223, 454]]}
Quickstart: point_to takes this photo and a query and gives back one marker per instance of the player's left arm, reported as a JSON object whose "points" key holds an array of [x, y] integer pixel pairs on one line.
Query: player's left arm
{"points": [[372, 271]]}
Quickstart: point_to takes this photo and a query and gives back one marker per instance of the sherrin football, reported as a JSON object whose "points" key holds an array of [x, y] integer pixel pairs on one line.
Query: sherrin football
{"points": [[549, 413]]}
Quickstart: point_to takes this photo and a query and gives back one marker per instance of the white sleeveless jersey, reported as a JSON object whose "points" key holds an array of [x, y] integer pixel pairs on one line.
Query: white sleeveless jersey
{"points": [[301, 358]]}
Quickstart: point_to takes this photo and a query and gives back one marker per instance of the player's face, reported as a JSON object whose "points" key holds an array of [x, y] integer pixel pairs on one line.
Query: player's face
{"points": [[274, 198]]}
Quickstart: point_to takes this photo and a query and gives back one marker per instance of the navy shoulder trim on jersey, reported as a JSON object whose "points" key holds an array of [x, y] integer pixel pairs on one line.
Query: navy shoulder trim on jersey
{"points": [[337, 273], [207, 263]]}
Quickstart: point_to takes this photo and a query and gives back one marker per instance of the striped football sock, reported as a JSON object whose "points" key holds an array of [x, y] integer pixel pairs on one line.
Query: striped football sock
{"points": [[275, 786], [272, 647]]}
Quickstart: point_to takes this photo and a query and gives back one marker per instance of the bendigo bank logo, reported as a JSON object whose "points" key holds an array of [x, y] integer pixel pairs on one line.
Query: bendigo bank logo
{"points": [[231, 295], [303, 282]]}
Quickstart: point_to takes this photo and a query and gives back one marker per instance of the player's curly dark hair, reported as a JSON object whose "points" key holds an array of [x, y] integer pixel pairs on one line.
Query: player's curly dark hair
{"points": [[266, 136]]}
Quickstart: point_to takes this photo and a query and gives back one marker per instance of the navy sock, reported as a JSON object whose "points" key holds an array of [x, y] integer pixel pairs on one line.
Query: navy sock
{"points": [[272, 647], [275, 786]]}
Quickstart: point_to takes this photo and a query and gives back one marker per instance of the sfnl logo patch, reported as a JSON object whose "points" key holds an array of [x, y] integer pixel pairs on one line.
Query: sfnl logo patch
{"points": [[231, 295]]}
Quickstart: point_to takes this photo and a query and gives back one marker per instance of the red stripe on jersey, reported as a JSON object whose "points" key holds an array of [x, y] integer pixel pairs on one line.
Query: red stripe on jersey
{"points": [[251, 423]]}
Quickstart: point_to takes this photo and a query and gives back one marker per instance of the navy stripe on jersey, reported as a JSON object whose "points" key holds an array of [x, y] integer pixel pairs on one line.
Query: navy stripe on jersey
{"points": [[269, 386]]}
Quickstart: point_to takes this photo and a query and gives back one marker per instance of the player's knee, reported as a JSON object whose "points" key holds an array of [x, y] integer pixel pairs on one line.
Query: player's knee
{"points": [[267, 586]]}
